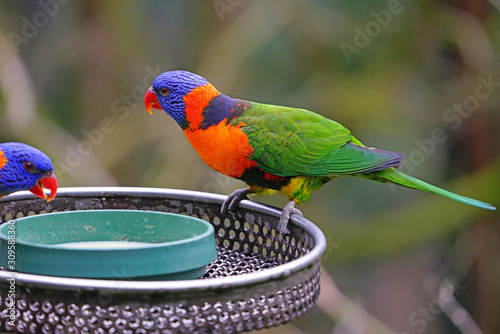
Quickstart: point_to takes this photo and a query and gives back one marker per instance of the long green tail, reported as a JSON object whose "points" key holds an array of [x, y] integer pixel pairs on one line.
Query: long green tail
{"points": [[394, 176]]}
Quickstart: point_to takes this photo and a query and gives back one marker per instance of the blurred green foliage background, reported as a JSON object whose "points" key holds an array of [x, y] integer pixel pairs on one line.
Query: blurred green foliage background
{"points": [[418, 77]]}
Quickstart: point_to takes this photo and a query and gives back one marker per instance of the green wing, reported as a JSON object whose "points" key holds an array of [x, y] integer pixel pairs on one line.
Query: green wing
{"points": [[290, 142]]}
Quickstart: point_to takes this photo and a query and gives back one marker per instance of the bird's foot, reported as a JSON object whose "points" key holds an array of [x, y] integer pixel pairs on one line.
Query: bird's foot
{"points": [[232, 201], [288, 210]]}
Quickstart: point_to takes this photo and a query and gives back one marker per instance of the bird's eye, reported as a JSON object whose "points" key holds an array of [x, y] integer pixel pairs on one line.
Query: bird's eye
{"points": [[164, 91], [28, 165]]}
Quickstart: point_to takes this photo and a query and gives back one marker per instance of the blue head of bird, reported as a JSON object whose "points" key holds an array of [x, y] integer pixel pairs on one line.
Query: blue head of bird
{"points": [[23, 167], [169, 90]]}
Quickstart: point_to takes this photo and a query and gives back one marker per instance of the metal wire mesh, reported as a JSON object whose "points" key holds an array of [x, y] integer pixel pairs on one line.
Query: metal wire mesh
{"points": [[260, 278]]}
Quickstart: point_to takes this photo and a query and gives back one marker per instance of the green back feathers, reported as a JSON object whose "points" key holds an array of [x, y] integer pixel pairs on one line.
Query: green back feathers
{"points": [[290, 142]]}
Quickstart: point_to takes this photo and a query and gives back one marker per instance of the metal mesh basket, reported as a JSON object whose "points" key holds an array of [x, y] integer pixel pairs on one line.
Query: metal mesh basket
{"points": [[260, 278]]}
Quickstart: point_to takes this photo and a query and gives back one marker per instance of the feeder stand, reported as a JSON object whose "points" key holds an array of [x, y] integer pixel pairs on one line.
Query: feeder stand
{"points": [[260, 278]]}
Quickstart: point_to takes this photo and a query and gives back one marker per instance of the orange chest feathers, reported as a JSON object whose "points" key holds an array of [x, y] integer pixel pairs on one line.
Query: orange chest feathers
{"points": [[222, 146]]}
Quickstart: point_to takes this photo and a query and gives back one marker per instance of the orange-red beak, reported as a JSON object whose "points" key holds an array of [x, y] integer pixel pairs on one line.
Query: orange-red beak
{"points": [[49, 182], [151, 101]]}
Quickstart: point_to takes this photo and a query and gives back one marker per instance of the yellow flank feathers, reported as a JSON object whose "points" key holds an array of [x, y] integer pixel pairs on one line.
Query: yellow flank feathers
{"points": [[300, 187], [261, 191]]}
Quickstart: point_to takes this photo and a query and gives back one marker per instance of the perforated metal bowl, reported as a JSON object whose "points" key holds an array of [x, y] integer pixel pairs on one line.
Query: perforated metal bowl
{"points": [[260, 278]]}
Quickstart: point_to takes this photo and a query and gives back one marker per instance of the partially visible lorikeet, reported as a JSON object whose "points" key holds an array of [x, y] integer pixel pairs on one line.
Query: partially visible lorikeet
{"points": [[273, 148], [23, 167]]}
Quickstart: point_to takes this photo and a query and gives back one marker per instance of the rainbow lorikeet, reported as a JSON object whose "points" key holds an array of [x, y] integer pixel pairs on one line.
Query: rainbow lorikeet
{"points": [[273, 148], [23, 167]]}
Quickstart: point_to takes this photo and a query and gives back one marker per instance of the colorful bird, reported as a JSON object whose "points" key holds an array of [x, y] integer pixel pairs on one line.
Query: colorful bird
{"points": [[23, 167], [273, 148]]}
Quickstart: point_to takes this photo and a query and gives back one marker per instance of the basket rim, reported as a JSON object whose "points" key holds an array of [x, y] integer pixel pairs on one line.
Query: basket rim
{"points": [[113, 286]]}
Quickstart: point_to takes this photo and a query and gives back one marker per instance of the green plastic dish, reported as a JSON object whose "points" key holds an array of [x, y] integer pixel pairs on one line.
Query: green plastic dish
{"points": [[109, 244]]}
